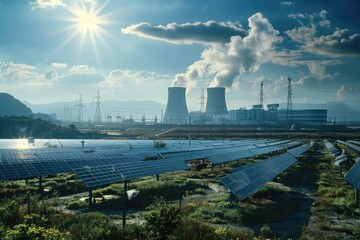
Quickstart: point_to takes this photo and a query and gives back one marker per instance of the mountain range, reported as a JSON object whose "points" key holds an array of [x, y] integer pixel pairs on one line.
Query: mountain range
{"points": [[124, 109], [136, 109], [10, 106]]}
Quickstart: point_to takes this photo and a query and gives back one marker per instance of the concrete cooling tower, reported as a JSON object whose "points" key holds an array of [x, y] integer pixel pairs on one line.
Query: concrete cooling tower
{"points": [[215, 104], [176, 109]]}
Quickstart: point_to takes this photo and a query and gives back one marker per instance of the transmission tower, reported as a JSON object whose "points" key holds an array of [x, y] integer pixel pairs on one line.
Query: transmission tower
{"points": [[262, 94], [80, 105], [202, 106], [98, 101], [289, 108]]}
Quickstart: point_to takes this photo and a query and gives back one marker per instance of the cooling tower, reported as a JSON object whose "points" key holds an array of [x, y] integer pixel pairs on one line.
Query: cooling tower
{"points": [[215, 104], [176, 109]]}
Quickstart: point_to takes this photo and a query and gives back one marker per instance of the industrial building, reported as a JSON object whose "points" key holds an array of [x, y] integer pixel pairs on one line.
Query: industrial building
{"points": [[273, 116]]}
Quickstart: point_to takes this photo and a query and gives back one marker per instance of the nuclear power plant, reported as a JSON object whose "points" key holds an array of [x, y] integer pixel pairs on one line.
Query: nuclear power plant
{"points": [[216, 111], [176, 109]]}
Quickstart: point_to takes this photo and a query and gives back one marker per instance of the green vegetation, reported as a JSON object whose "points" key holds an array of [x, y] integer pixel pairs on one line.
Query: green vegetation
{"points": [[207, 210], [159, 144]]}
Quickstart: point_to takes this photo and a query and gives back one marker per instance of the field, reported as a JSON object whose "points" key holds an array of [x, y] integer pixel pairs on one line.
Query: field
{"points": [[309, 200]]}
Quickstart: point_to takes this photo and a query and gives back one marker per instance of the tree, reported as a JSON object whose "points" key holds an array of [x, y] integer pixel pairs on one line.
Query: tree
{"points": [[24, 232], [162, 219]]}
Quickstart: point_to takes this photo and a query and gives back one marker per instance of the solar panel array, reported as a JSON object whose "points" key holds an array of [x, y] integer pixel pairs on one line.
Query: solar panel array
{"points": [[108, 162], [245, 180], [353, 175]]}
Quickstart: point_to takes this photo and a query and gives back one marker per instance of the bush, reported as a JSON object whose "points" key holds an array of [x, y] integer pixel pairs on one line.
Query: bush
{"points": [[265, 232], [75, 205], [159, 144]]}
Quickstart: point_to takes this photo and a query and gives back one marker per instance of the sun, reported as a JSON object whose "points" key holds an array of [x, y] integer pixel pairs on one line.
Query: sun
{"points": [[87, 22]]}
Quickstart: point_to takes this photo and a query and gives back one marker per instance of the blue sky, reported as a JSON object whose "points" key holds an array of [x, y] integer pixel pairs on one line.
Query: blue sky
{"points": [[134, 50]]}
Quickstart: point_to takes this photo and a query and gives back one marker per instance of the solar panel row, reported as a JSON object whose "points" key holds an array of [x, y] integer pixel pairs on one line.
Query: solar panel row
{"points": [[353, 146], [353, 175], [97, 176], [331, 148], [300, 150], [247, 179], [250, 177]]}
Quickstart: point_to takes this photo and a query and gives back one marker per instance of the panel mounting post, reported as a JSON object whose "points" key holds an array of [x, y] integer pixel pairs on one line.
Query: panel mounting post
{"points": [[357, 200], [90, 198], [125, 198]]}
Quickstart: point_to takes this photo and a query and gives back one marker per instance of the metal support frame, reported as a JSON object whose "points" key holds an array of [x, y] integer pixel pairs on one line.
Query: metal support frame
{"points": [[40, 182], [341, 169], [90, 198], [157, 177], [357, 198], [125, 199], [28, 202], [41, 188], [180, 199]]}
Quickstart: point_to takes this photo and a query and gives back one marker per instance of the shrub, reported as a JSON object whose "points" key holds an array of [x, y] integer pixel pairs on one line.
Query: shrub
{"points": [[265, 232], [75, 204]]}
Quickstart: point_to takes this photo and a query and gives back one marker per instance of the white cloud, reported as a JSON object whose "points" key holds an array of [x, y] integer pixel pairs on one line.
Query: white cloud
{"points": [[47, 3], [348, 93], [241, 55], [189, 33], [52, 75], [58, 65], [287, 3], [120, 78], [339, 43], [317, 69], [81, 69], [13, 72]]}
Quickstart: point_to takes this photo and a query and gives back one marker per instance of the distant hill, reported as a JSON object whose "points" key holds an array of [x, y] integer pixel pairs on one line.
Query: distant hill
{"points": [[340, 110], [133, 108], [11, 106]]}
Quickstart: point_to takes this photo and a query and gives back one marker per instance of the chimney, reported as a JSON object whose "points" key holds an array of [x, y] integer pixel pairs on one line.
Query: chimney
{"points": [[215, 104], [176, 109]]}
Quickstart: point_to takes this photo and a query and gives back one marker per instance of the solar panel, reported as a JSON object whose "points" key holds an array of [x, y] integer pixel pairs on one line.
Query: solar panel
{"points": [[92, 176], [353, 175], [353, 141], [300, 150], [353, 146], [331, 148], [229, 156], [247, 179]]}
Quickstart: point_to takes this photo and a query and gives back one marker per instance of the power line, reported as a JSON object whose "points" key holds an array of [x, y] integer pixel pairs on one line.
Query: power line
{"points": [[289, 108], [80, 105], [98, 102]]}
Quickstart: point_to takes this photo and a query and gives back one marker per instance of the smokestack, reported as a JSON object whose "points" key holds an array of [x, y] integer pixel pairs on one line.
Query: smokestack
{"points": [[176, 109], [215, 104]]}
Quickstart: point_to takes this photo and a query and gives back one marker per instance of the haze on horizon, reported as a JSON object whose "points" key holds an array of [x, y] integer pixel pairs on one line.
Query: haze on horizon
{"points": [[53, 50]]}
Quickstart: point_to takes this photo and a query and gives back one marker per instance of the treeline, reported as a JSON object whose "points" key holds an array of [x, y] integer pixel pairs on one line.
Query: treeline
{"points": [[23, 127]]}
